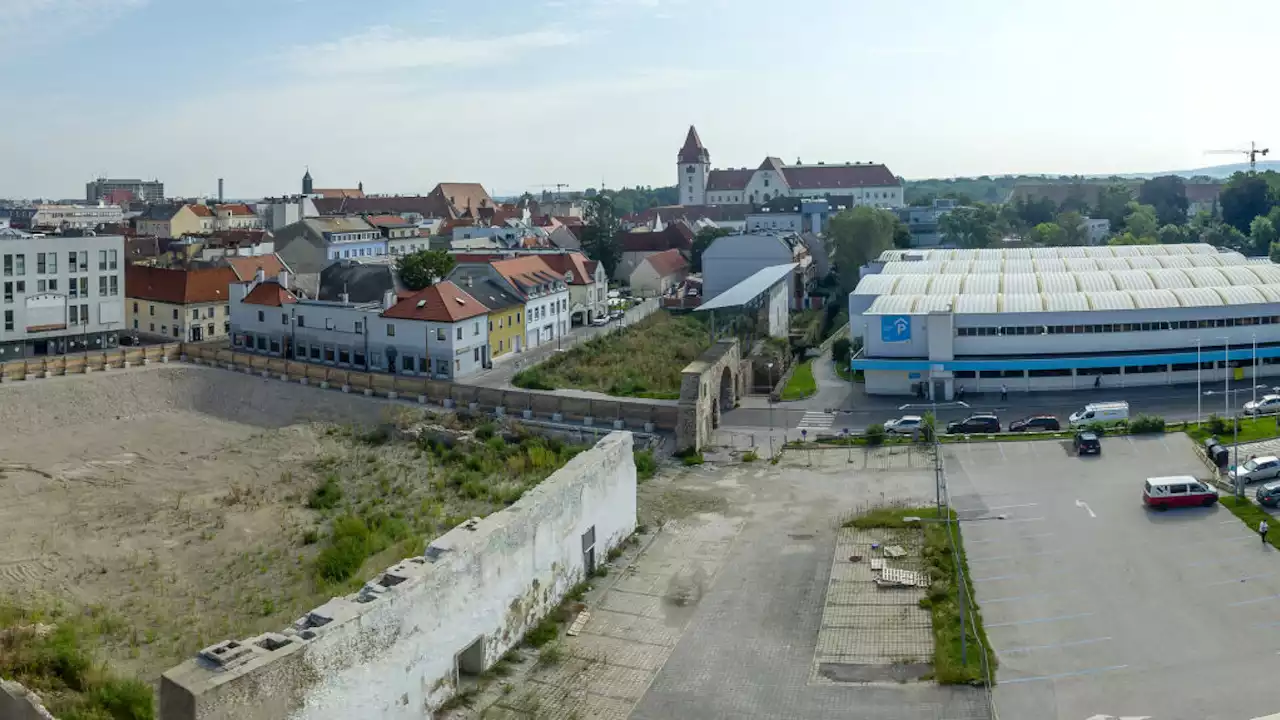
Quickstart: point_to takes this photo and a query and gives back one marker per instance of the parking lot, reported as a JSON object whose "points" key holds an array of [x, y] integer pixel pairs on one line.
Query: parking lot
{"points": [[1098, 607]]}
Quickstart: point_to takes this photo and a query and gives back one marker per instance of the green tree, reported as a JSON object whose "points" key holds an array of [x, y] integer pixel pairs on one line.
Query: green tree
{"points": [[971, 227], [1048, 235], [1172, 234], [901, 234], [600, 227], [1245, 197], [1035, 211], [1262, 235], [1129, 238], [1075, 201], [1275, 252], [423, 268], [858, 236], [702, 240], [1113, 201], [1168, 195], [1074, 231], [1220, 234], [1140, 220]]}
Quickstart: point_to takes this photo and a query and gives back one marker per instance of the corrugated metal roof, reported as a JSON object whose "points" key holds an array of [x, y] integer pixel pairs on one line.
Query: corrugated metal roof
{"points": [[1059, 282], [1203, 261], [1173, 261], [958, 267], [1239, 275], [1094, 281], [1143, 263], [1017, 254], [1019, 284], [1206, 277], [1071, 252], [1197, 297], [912, 284], [1111, 300], [984, 284], [1049, 265], [1241, 295], [1231, 259], [1045, 252], [1081, 264], [876, 284], [1101, 251], [1267, 274], [892, 305], [1133, 280], [987, 266], [1149, 299], [1270, 292], [1111, 263], [1168, 279], [1066, 302], [1021, 302], [945, 284], [1018, 267], [934, 303], [977, 304]]}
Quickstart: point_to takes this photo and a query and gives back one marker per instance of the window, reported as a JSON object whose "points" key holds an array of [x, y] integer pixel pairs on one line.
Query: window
{"points": [[439, 334], [209, 328], [459, 333], [457, 365], [423, 367], [135, 307], [476, 354], [226, 311], [491, 326], [359, 330], [391, 330], [261, 316], [262, 342], [40, 267], [153, 327], [21, 285], [284, 318], [475, 329], [115, 285], [73, 315], [344, 356], [8, 319], [102, 287], [328, 353], [175, 331], [52, 260], [113, 260], [8, 265], [357, 358], [102, 259], [328, 324], [406, 363], [315, 352], [41, 286], [20, 265], [195, 313], [517, 317], [150, 308], [53, 285], [8, 292], [302, 321], [71, 261]]}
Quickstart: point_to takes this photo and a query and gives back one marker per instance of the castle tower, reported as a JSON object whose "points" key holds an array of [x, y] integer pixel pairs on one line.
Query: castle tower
{"points": [[693, 165]]}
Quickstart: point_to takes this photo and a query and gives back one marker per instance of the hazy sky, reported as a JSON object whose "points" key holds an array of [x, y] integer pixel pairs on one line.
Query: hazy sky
{"points": [[517, 94]]}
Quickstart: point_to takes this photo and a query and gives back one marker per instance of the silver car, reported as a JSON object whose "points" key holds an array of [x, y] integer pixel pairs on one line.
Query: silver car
{"points": [[1266, 405], [905, 425], [1257, 469]]}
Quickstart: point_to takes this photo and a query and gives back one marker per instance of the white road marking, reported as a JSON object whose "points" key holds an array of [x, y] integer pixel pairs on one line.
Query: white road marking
{"points": [[1085, 505], [814, 420]]}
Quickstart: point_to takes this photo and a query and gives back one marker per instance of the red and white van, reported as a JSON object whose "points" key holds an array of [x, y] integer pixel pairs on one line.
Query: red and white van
{"points": [[1174, 491]]}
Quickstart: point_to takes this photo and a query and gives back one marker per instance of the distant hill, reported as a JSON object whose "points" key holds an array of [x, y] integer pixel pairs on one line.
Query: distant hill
{"points": [[1218, 172]]}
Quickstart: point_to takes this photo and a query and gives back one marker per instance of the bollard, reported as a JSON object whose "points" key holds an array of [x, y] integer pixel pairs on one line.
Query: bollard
{"points": [[422, 399], [324, 384], [586, 421], [448, 403], [284, 377], [302, 381], [648, 427], [526, 414], [473, 406], [619, 424], [368, 392], [346, 388], [499, 412], [392, 394], [557, 417]]}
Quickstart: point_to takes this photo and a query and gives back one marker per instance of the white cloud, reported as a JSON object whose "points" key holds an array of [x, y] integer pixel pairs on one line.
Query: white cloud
{"points": [[24, 22], [383, 49]]}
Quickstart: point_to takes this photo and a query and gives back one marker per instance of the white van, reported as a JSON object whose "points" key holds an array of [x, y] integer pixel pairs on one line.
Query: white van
{"points": [[1103, 412]]}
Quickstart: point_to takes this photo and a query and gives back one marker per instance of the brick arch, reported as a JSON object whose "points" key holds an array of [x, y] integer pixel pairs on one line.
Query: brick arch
{"points": [[711, 385]]}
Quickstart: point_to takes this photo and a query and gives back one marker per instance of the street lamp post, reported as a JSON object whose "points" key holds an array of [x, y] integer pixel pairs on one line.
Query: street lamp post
{"points": [[1198, 365], [770, 366]]}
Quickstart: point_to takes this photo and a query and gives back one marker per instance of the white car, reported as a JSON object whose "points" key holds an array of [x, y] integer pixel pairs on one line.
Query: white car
{"points": [[905, 425], [1257, 469], [1267, 405], [601, 321]]}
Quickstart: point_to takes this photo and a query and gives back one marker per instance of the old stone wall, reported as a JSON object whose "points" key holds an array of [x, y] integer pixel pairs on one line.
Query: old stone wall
{"points": [[638, 415], [395, 650], [710, 386], [16, 703], [52, 365]]}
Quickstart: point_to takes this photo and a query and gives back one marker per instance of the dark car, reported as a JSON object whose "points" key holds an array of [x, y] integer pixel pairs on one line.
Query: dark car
{"points": [[1269, 494], [1086, 443], [1036, 423], [983, 423]]}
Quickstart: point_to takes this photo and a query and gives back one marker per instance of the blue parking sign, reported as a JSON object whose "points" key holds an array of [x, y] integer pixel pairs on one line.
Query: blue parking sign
{"points": [[895, 328]]}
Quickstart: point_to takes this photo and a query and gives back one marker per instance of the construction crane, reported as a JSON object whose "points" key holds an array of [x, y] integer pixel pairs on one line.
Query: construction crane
{"points": [[1253, 152]]}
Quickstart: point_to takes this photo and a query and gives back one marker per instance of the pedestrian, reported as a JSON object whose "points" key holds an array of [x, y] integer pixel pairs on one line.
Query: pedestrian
{"points": [[1097, 382], [1263, 527], [1004, 392]]}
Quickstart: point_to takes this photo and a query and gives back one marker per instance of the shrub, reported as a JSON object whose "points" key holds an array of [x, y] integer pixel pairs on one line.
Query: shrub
{"points": [[326, 495], [532, 379], [484, 431], [544, 632], [646, 465], [750, 456], [1147, 424], [875, 434], [692, 459], [840, 350], [380, 435]]}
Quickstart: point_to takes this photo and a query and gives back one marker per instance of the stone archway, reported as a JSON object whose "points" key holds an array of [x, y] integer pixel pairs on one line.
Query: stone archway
{"points": [[711, 386]]}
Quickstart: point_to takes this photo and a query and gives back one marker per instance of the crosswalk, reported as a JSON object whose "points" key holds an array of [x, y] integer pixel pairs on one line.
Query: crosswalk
{"points": [[815, 420]]}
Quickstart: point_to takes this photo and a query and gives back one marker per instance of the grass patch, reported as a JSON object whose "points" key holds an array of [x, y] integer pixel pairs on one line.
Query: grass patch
{"points": [[801, 385], [691, 459], [646, 465], [52, 654], [1250, 515], [750, 456], [942, 599], [643, 360], [1251, 429]]}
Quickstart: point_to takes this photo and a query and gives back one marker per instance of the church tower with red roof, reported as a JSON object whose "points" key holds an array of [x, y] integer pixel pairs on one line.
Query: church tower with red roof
{"points": [[693, 165]]}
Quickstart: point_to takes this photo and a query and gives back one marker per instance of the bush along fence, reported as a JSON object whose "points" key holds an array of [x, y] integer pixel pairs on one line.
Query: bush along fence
{"points": [[592, 415]]}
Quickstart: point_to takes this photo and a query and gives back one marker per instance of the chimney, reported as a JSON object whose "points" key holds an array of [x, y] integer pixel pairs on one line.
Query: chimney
{"points": [[259, 275], [470, 281], [388, 299], [219, 189], [283, 278]]}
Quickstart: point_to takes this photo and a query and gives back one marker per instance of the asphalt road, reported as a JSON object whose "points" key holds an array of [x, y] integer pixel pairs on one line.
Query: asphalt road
{"points": [[855, 410], [1099, 607]]}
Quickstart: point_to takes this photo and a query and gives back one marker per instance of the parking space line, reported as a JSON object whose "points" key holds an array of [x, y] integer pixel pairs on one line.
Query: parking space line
{"points": [[1035, 621], [1033, 648], [996, 577], [997, 507], [1255, 600], [1240, 579], [1011, 599], [1009, 539], [1090, 671], [1016, 520], [1014, 557]]}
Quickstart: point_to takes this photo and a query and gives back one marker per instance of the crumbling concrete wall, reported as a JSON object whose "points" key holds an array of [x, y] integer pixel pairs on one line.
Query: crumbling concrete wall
{"points": [[709, 387], [394, 649], [17, 703]]}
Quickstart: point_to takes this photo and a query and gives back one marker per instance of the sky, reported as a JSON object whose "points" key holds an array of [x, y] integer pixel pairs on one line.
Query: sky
{"points": [[526, 94]]}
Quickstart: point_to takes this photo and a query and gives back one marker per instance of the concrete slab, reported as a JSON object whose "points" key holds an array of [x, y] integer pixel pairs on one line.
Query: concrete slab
{"points": [[1097, 606]]}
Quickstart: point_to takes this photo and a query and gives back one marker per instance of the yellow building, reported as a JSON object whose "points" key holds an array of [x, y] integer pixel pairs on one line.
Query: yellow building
{"points": [[189, 305], [506, 317], [174, 221]]}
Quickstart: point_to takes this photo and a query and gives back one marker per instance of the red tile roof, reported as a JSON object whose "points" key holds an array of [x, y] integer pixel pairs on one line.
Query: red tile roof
{"points": [[246, 268], [200, 210], [455, 200], [386, 221], [566, 262], [443, 302], [676, 236], [813, 177], [693, 151], [668, 262], [338, 192], [525, 272], [235, 209], [178, 286], [718, 180], [271, 294]]}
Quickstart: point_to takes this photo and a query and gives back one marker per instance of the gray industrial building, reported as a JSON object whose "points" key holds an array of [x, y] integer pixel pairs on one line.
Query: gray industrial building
{"points": [[60, 294], [143, 190]]}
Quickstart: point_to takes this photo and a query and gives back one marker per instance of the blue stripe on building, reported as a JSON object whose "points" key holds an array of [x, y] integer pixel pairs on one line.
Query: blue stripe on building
{"points": [[1062, 363]]}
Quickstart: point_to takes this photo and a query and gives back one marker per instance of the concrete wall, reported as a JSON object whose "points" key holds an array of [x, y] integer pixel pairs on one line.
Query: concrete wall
{"points": [[392, 650], [16, 703], [52, 365], [710, 386]]}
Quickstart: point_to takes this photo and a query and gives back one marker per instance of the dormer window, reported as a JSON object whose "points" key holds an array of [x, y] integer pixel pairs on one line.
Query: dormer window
{"points": [[568, 276]]}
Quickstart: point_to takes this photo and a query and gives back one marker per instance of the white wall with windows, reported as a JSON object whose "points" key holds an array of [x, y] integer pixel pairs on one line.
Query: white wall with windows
{"points": [[546, 318]]}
